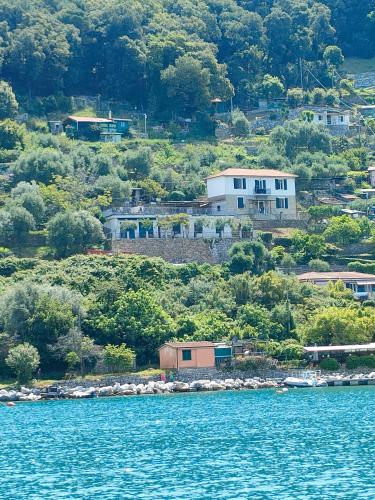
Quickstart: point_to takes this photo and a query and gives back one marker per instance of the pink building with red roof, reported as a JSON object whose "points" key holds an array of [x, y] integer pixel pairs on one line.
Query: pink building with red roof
{"points": [[200, 354]]}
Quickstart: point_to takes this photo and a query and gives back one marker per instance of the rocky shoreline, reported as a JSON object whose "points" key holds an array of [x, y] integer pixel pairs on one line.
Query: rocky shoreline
{"points": [[71, 390], [151, 387]]}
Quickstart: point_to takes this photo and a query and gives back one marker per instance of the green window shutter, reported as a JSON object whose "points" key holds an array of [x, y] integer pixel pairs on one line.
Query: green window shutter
{"points": [[186, 355]]}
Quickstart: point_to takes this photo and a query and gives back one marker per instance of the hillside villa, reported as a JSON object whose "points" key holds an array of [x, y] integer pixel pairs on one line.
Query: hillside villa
{"points": [[362, 284], [233, 194]]}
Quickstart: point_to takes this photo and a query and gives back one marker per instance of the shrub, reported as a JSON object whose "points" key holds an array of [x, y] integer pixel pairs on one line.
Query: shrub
{"points": [[283, 241], [240, 124], [255, 363], [329, 364], [354, 362], [294, 97], [24, 360], [176, 196], [319, 265], [118, 358], [266, 237], [5, 252], [361, 267], [73, 232], [8, 101], [317, 96], [10, 265], [12, 135]]}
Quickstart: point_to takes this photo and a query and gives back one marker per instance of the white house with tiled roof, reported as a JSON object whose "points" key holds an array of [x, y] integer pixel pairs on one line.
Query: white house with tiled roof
{"points": [[234, 197], [255, 192]]}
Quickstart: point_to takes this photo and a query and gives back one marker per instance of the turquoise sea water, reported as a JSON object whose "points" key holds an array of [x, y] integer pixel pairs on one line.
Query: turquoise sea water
{"points": [[305, 444]]}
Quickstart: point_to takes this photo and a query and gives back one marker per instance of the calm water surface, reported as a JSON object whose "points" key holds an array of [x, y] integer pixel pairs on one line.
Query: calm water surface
{"points": [[306, 444]]}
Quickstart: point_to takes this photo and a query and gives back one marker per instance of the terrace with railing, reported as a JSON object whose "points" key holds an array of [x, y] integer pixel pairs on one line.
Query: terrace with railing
{"points": [[202, 210]]}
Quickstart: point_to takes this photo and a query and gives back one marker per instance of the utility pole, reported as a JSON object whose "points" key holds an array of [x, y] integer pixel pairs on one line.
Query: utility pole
{"points": [[301, 71], [145, 125]]}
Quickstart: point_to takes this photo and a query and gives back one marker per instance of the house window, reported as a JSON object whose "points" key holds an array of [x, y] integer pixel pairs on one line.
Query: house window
{"points": [[341, 119], [218, 208], [281, 184], [329, 120], [186, 355], [240, 202], [239, 183], [282, 203], [198, 227], [260, 186], [320, 118]]}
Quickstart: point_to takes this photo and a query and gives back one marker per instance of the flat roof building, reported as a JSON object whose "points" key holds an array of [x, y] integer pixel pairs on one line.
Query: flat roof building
{"points": [[317, 352], [362, 284]]}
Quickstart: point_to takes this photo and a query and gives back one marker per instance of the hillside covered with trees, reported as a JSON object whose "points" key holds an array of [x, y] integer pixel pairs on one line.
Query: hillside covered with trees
{"points": [[172, 57], [169, 60]]}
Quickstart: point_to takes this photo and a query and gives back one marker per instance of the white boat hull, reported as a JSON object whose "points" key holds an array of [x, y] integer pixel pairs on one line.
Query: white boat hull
{"points": [[298, 382], [304, 382]]}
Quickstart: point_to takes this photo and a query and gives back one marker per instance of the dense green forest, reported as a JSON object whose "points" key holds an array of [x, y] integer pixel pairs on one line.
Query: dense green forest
{"points": [[145, 302], [174, 56]]}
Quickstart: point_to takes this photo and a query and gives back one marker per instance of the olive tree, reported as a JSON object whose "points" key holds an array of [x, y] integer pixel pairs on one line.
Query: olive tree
{"points": [[23, 360], [73, 232], [8, 101], [118, 358]]}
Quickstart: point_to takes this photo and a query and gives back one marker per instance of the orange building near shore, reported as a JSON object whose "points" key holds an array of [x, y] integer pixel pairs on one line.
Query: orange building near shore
{"points": [[204, 354]]}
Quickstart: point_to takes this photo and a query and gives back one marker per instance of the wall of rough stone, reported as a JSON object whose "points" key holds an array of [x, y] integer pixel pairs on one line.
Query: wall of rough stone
{"points": [[189, 375], [178, 250], [279, 223]]}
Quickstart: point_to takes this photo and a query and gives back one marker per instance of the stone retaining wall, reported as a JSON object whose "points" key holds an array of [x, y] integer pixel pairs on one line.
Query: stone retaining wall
{"points": [[178, 251], [189, 375], [280, 223], [175, 250]]}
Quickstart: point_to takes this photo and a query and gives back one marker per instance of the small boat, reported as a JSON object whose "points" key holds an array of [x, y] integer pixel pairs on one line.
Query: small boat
{"points": [[307, 379]]}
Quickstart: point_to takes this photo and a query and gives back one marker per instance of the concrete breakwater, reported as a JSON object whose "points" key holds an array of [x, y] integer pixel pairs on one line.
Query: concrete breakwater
{"points": [[151, 387]]}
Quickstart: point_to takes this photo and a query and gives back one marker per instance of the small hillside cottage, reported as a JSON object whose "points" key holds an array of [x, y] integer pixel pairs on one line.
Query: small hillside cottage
{"points": [[93, 128], [332, 117], [204, 354], [263, 193]]}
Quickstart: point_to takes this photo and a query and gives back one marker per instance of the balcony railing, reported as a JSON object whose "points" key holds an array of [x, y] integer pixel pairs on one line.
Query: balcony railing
{"points": [[160, 210], [262, 191]]}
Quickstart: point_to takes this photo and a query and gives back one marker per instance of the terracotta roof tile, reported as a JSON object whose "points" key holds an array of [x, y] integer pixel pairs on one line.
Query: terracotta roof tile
{"points": [[252, 172], [191, 345]]}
